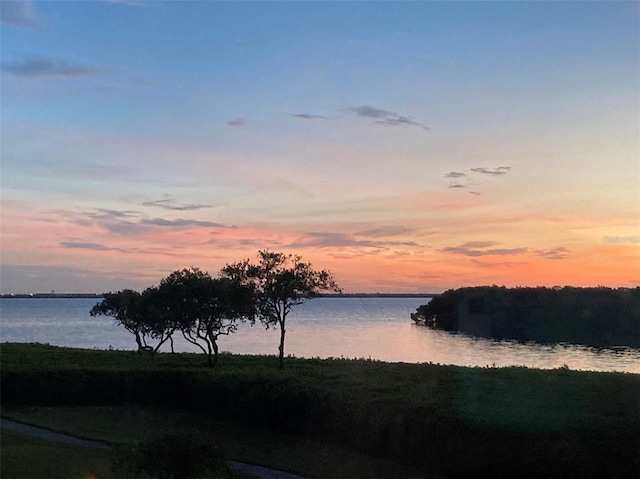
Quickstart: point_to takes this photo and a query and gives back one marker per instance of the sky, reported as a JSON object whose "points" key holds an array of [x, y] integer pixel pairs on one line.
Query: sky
{"points": [[404, 146]]}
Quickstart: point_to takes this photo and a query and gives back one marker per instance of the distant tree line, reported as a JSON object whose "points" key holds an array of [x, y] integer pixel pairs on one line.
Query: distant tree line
{"points": [[201, 308], [599, 317]]}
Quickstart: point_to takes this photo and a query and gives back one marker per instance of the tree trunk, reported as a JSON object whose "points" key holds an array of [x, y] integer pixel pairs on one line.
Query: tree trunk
{"points": [[215, 352], [281, 347], [139, 342]]}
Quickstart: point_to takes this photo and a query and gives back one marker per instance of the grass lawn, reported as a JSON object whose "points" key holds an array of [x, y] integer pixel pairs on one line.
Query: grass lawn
{"points": [[281, 451], [339, 418], [23, 457]]}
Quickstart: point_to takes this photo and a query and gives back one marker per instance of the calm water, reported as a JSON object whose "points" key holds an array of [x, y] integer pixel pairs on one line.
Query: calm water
{"points": [[377, 328]]}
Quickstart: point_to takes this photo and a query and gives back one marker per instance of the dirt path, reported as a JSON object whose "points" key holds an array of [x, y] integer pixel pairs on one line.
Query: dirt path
{"points": [[51, 436], [45, 434]]}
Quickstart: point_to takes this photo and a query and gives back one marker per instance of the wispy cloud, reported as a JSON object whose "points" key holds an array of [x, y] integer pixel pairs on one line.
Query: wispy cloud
{"points": [[341, 240], [501, 264], [38, 67], [477, 249], [309, 116], [102, 213], [83, 245], [384, 117], [132, 222], [478, 244], [18, 14], [555, 253], [483, 248], [384, 231], [500, 170], [454, 174], [402, 121], [497, 171], [172, 205], [87, 245], [179, 223], [325, 240], [237, 122], [370, 112]]}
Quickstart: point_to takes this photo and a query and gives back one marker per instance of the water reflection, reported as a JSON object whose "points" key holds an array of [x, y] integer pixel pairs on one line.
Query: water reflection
{"points": [[405, 342], [373, 328]]}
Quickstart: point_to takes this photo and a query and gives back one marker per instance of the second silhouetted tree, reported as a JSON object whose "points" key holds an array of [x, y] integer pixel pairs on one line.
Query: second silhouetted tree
{"points": [[280, 281]]}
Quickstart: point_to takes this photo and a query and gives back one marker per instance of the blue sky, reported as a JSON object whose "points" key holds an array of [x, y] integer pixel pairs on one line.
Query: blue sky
{"points": [[142, 137]]}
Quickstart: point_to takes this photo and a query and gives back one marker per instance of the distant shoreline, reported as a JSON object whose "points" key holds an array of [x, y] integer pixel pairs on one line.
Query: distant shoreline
{"points": [[100, 295], [52, 295]]}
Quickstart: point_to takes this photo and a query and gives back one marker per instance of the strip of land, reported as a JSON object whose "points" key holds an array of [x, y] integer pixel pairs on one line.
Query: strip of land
{"points": [[333, 417]]}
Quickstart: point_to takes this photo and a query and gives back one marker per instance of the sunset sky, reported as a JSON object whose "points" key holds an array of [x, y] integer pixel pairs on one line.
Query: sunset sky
{"points": [[406, 147]]}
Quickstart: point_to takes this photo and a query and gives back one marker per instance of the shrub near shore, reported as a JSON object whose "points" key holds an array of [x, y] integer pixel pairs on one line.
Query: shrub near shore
{"points": [[453, 421], [599, 317]]}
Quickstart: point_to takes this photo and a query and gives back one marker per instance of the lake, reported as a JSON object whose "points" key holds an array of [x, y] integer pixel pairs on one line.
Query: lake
{"points": [[376, 328]]}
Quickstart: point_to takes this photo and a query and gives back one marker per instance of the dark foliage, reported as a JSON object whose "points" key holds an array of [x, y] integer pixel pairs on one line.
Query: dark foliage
{"points": [[599, 317], [446, 421], [280, 281], [142, 314], [204, 308], [172, 456], [189, 301]]}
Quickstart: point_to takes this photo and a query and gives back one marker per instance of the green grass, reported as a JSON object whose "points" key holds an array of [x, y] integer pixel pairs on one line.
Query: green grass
{"points": [[437, 420], [23, 457], [504, 397], [281, 451]]}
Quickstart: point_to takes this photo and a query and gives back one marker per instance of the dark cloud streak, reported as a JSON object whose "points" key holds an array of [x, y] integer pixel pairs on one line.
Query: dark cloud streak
{"points": [[384, 231], [90, 246], [42, 67], [237, 122], [341, 240], [384, 117], [370, 112], [479, 248], [182, 223], [501, 170], [172, 205], [132, 222], [556, 253], [309, 116]]}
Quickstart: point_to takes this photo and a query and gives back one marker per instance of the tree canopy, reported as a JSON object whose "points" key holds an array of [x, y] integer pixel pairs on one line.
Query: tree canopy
{"points": [[599, 317], [279, 281], [205, 308], [129, 309], [189, 301]]}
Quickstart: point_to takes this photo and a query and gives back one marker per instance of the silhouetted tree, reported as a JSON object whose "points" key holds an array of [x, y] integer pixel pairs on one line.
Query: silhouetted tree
{"points": [[139, 313], [598, 316], [159, 320], [280, 281], [126, 308], [203, 308], [440, 311]]}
